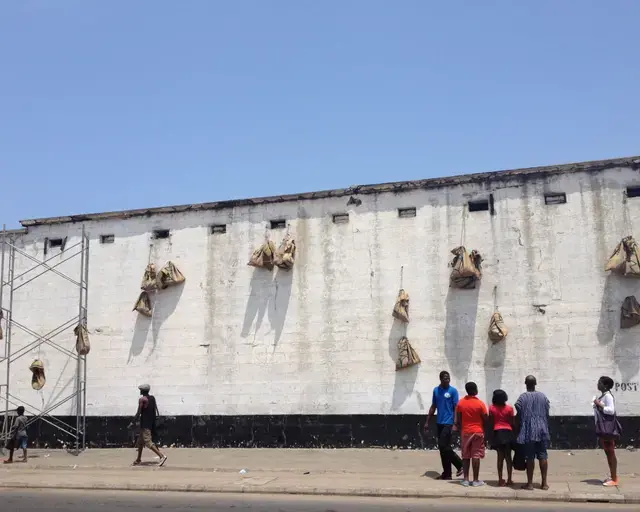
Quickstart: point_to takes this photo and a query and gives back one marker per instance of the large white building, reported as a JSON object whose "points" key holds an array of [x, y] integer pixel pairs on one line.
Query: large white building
{"points": [[245, 356]]}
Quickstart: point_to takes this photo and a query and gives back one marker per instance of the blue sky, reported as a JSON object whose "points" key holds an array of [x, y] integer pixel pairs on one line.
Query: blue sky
{"points": [[117, 105]]}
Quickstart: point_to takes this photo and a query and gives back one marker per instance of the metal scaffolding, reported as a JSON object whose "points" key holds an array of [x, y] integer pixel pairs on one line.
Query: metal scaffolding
{"points": [[9, 284]]}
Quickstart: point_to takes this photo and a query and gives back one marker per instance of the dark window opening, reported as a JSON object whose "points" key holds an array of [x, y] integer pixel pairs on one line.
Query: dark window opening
{"points": [[278, 224], [159, 234], [55, 242], [633, 191], [218, 229], [107, 239], [341, 218], [559, 198], [406, 212], [479, 206]]}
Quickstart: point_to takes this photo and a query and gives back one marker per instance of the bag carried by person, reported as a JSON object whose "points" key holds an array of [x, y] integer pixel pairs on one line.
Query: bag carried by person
{"points": [[407, 356], [150, 278], [263, 256], [629, 313], [143, 304], [607, 425], [38, 379], [169, 275], [497, 330], [625, 259], [82, 340], [465, 268], [401, 308], [286, 253], [519, 461]]}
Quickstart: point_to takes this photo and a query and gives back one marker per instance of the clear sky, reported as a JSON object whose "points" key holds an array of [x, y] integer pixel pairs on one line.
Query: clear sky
{"points": [[109, 105]]}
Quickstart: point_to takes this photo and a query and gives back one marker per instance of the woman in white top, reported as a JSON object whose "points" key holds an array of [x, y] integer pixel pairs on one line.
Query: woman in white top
{"points": [[606, 405]]}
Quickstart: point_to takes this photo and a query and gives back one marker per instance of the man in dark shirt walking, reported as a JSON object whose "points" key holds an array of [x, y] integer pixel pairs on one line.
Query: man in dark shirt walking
{"points": [[445, 400], [147, 412]]}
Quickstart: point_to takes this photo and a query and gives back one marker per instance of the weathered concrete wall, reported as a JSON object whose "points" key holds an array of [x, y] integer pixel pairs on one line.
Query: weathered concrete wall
{"points": [[320, 339]]}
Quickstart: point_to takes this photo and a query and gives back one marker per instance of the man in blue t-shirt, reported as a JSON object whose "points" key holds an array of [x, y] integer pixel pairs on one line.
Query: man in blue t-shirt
{"points": [[445, 400]]}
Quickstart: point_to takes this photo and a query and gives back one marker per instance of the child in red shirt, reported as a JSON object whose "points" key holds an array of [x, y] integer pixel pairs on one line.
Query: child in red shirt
{"points": [[502, 418], [471, 414]]}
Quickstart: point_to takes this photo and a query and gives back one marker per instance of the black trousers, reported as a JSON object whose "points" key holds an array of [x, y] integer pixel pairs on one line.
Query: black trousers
{"points": [[447, 455]]}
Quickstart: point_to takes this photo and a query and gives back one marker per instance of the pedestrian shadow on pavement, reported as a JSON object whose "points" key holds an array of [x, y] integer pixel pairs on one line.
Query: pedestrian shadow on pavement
{"points": [[431, 474], [592, 481]]}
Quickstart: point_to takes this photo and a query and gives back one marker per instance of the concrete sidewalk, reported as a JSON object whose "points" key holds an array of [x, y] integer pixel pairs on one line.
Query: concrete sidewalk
{"points": [[573, 476]]}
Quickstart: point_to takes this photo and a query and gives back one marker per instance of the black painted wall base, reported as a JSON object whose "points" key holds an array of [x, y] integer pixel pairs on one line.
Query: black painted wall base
{"points": [[305, 431]]}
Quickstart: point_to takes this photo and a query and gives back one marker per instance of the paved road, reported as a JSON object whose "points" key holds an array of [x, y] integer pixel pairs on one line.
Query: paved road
{"points": [[93, 501]]}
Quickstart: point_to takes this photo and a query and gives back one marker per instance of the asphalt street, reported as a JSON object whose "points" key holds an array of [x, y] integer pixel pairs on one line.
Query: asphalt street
{"points": [[90, 501]]}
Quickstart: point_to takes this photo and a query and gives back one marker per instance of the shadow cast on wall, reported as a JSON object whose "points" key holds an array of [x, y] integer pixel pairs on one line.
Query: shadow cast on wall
{"points": [[405, 380], [494, 366], [459, 330]]}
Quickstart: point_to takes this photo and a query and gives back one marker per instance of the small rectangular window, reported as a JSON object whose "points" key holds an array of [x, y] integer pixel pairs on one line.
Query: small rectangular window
{"points": [[406, 212], [218, 229], [556, 198], [479, 206], [341, 218], [107, 239], [160, 234], [278, 224], [55, 242], [633, 191]]}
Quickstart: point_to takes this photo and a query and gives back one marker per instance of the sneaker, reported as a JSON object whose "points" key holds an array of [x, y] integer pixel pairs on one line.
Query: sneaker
{"points": [[465, 483], [477, 483], [610, 483], [459, 473], [162, 461], [443, 477]]}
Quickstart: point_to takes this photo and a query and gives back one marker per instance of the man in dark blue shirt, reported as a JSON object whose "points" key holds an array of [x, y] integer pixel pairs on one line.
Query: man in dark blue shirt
{"points": [[445, 400]]}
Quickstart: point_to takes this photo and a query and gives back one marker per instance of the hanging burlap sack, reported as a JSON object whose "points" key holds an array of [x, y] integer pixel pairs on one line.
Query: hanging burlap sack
{"points": [[401, 309], [497, 330], [625, 259], [286, 254], [143, 304], [150, 278], [82, 340], [629, 313], [38, 379], [169, 275], [465, 268], [263, 256], [407, 356]]}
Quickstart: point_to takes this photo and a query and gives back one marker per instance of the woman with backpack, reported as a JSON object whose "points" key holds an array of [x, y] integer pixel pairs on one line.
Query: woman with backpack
{"points": [[608, 427]]}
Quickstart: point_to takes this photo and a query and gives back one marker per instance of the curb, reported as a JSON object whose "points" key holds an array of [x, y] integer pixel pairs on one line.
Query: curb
{"points": [[327, 491]]}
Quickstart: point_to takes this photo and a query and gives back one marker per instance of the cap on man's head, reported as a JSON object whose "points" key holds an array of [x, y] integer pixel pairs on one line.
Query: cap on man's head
{"points": [[144, 387]]}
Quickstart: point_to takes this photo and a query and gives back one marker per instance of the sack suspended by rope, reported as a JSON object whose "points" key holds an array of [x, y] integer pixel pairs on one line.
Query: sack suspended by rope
{"points": [[497, 330], [286, 253], [401, 309], [143, 304], [629, 313], [82, 340], [625, 259], [169, 276], [150, 278], [466, 268], [38, 379], [407, 356], [263, 256]]}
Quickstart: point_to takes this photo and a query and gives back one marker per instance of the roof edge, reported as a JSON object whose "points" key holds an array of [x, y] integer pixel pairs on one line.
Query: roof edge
{"points": [[594, 165]]}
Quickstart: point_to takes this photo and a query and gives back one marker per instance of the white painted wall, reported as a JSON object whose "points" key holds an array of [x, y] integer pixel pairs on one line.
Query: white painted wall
{"points": [[321, 339]]}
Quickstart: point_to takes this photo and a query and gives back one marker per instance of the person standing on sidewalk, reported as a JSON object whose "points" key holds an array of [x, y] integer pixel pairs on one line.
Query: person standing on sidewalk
{"points": [[147, 412], [502, 419], [471, 416], [444, 401], [533, 416], [608, 428]]}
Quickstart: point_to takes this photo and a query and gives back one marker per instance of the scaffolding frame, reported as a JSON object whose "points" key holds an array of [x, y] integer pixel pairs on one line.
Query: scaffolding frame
{"points": [[9, 285]]}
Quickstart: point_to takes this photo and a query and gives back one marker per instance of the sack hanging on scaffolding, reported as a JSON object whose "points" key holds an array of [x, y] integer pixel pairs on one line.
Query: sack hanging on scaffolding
{"points": [[401, 309], [407, 356], [143, 304], [82, 340], [497, 330], [286, 253], [466, 268], [170, 276], [38, 379], [625, 259], [263, 256], [629, 313], [150, 278]]}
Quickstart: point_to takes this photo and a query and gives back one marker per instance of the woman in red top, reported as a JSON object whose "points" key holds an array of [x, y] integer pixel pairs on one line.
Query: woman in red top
{"points": [[502, 419]]}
